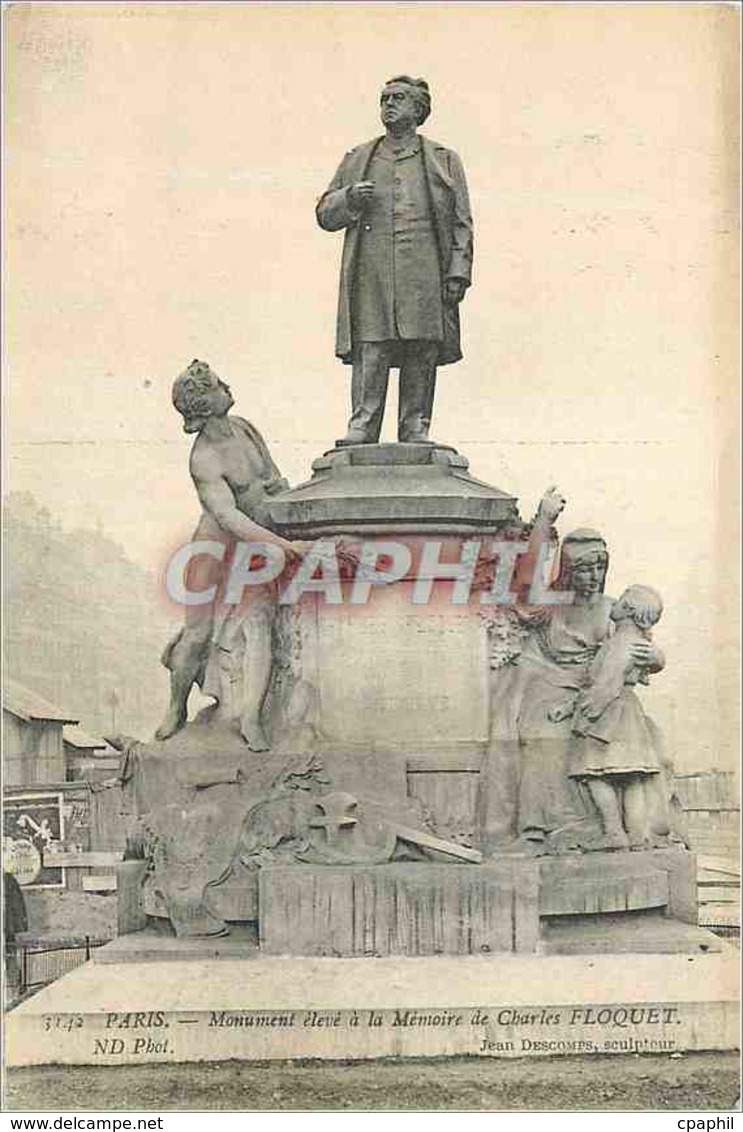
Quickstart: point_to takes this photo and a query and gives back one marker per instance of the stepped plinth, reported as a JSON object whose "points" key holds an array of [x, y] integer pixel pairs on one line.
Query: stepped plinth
{"points": [[386, 489]]}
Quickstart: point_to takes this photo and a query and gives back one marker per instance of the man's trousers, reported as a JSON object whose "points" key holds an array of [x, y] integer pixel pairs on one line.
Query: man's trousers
{"points": [[372, 361]]}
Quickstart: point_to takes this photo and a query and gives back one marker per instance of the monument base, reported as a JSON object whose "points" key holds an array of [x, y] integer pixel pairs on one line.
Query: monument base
{"points": [[399, 909], [383, 489], [647, 932], [277, 1009]]}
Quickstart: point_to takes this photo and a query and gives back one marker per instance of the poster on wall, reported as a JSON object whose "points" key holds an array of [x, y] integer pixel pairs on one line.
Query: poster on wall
{"points": [[33, 825]]}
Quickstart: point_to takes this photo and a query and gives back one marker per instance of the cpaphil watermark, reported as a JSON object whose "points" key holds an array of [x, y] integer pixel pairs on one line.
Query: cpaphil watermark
{"points": [[486, 571]]}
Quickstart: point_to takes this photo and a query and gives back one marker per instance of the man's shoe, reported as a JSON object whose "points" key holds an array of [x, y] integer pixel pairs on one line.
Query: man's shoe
{"points": [[352, 437]]}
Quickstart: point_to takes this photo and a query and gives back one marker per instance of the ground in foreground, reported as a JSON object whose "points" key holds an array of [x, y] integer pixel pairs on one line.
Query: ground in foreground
{"points": [[693, 1083]]}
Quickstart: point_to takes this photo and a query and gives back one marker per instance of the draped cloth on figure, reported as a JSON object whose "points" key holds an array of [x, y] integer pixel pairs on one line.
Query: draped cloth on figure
{"points": [[621, 740], [526, 784]]}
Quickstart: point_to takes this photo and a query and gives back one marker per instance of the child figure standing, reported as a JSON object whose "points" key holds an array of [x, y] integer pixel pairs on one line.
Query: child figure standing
{"points": [[613, 746]]}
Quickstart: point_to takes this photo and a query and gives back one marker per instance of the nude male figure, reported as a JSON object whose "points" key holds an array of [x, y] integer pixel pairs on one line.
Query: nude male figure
{"points": [[234, 476]]}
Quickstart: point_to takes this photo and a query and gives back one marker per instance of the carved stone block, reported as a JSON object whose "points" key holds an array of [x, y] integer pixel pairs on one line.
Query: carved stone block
{"points": [[130, 913], [681, 869], [415, 674], [619, 882], [399, 909]]}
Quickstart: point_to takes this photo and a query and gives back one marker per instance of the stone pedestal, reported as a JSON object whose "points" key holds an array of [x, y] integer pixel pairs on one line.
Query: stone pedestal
{"points": [[397, 674], [355, 834], [275, 1009], [399, 909], [385, 489], [603, 883]]}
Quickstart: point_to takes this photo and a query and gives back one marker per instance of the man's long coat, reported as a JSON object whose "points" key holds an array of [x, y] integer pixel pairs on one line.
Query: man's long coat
{"points": [[452, 221]]}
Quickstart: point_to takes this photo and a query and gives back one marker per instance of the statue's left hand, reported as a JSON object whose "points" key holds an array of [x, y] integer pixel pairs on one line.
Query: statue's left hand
{"points": [[560, 712], [590, 706], [647, 655], [454, 291], [343, 552], [347, 551]]}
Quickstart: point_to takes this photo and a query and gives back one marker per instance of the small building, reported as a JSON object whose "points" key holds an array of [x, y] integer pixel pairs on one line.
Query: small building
{"points": [[63, 825], [86, 757], [33, 737], [711, 814], [711, 808]]}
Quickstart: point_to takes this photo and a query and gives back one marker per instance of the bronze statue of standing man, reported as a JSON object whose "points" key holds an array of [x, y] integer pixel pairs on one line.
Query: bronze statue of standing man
{"points": [[407, 263]]}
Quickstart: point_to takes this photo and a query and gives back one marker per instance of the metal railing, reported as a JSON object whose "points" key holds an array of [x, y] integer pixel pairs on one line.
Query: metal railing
{"points": [[43, 961]]}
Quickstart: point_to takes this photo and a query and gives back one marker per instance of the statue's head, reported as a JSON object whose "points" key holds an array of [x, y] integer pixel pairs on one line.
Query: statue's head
{"points": [[405, 102], [640, 604], [584, 561], [199, 394]]}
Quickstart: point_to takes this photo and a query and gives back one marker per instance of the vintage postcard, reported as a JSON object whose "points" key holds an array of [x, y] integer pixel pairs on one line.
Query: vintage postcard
{"points": [[371, 554]]}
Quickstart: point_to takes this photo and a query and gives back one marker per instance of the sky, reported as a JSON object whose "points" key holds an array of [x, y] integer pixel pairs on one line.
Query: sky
{"points": [[162, 166]]}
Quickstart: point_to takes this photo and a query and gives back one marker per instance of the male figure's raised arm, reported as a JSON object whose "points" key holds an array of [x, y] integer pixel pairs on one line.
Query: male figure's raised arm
{"points": [[218, 499]]}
